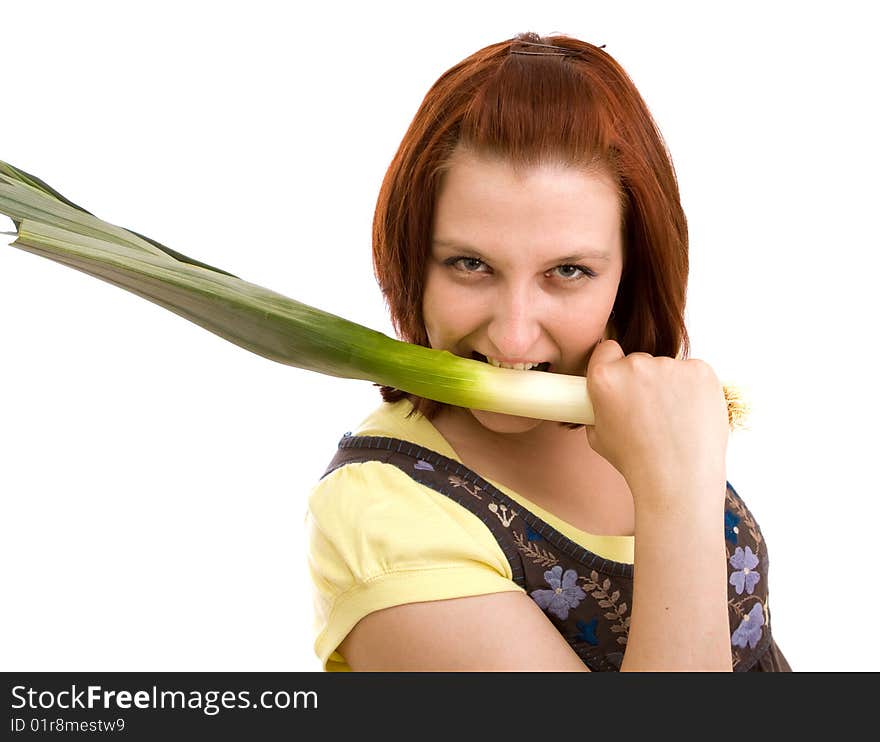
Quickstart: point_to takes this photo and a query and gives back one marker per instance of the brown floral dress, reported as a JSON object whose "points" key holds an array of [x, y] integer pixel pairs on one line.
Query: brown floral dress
{"points": [[586, 597]]}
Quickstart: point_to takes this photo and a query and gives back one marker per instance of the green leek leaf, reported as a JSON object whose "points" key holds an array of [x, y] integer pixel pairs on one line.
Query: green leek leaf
{"points": [[267, 323]]}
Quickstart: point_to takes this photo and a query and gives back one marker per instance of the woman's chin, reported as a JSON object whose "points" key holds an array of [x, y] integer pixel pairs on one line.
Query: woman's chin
{"points": [[498, 422]]}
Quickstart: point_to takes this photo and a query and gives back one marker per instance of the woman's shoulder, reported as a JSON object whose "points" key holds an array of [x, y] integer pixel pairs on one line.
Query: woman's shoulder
{"points": [[355, 488], [376, 539], [376, 509]]}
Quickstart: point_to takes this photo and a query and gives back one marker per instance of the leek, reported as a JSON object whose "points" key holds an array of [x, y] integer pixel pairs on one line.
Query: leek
{"points": [[275, 326]]}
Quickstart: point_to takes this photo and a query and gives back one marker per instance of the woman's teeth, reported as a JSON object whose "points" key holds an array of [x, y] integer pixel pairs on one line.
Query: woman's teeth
{"points": [[516, 366]]}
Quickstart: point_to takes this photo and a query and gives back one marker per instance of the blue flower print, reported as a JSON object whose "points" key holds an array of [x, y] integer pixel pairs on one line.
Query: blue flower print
{"points": [[532, 534], [564, 595], [745, 578], [749, 630], [587, 631], [424, 465], [731, 520]]}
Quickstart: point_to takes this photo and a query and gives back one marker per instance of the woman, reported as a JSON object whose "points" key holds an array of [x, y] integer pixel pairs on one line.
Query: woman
{"points": [[531, 219]]}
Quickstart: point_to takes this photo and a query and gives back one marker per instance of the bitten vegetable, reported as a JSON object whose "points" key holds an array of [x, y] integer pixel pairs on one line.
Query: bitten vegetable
{"points": [[274, 326]]}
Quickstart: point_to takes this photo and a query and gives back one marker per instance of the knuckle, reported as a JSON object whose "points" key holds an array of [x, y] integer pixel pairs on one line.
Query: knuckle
{"points": [[701, 367], [600, 375], [705, 374], [639, 361]]}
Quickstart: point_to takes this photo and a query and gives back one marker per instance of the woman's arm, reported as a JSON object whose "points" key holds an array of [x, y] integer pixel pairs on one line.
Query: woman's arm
{"points": [[501, 632], [679, 605], [662, 423]]}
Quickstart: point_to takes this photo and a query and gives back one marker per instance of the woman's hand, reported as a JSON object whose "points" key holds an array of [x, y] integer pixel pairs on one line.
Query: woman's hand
{"points": [[658, 420]]}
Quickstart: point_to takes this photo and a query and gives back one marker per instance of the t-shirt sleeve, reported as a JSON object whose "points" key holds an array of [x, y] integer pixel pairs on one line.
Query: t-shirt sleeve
{"points": [[376, 539]]}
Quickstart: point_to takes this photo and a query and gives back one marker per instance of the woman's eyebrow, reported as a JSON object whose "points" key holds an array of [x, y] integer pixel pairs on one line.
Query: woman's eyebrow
{"points": [[583, 254]]}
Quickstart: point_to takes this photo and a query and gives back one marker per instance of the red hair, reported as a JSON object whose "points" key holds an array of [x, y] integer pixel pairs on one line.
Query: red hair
{"points": [[578, 109]]}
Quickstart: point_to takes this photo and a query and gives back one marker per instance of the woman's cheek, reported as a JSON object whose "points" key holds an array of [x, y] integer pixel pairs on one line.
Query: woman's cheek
{"points": [[447, 322], [462, 309]]}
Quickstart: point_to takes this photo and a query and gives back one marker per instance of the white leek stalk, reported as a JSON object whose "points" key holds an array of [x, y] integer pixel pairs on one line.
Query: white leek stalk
{"points": [[274, 326]]}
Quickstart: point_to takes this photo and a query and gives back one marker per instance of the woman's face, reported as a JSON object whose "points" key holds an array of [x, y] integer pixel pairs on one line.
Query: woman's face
{"points": [[522, 269]]}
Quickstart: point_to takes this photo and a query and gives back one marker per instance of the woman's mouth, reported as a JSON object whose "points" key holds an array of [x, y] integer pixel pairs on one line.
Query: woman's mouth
{"points": [[544, 366]]}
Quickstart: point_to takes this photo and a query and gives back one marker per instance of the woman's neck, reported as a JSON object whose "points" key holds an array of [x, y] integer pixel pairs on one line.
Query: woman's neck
{"points": [[546, 442], [551, 465]]}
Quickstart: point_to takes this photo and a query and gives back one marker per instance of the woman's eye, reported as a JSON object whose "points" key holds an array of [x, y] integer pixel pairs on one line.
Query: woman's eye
{"points": [[470, 264], [577, 271]]}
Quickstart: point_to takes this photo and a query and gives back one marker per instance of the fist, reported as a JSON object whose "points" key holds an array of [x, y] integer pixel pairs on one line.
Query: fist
{"points": [[657, 419]]}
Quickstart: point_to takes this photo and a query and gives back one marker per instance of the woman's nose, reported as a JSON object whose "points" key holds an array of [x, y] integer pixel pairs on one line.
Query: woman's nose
{"points": [[515, 326]]}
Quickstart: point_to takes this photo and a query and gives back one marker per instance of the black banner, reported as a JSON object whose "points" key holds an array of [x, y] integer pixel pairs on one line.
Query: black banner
{"points": [[151, 706]]}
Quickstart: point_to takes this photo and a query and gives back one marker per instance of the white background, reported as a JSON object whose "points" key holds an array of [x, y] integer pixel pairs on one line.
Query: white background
{"points": [[153, 477]]}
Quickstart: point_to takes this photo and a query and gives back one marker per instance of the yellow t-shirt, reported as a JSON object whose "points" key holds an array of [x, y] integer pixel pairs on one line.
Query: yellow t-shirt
{"points": [[377, 538]]}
